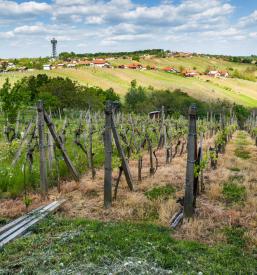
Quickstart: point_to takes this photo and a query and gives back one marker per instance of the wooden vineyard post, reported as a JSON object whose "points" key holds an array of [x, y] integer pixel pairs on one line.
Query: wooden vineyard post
{"points": [[108, 155], [201, 159], [60, 145], [43, 171], [122, 156], [191, 158]]}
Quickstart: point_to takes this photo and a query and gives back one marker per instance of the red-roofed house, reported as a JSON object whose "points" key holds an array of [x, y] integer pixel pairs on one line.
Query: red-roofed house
{"points": [[169, 70], [190, 73], [135, 66], [100, 63]]}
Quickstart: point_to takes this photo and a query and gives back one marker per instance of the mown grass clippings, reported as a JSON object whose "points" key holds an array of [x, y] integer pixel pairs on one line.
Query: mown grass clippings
{"points": [[62, 246], [161, 192]]}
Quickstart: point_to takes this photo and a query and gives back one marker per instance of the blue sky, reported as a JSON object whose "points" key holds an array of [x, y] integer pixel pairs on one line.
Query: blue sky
{"points": [[205, 26]]}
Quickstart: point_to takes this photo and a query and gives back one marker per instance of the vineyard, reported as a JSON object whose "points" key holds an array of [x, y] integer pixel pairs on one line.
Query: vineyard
{"points": [[114, 166]]}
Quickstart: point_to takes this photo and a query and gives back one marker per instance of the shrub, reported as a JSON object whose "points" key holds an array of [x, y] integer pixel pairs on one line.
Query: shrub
{"points": [[163, 192]]}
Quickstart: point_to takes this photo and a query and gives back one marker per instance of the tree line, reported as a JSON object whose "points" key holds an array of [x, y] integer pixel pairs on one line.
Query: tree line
{"points": [[64, 93]]}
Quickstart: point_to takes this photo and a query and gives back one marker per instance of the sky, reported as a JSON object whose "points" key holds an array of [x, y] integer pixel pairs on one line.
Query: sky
{"points": [[203, 26]]}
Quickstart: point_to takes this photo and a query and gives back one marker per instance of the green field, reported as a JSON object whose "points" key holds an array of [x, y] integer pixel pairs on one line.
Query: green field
{"points": [[203, 88]]}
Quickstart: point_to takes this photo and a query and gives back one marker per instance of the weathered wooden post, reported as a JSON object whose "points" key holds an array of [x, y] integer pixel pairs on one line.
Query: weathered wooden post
{"points": [[43, 171], [108, 155], [125, 166], [191, 158], [60, 145]]}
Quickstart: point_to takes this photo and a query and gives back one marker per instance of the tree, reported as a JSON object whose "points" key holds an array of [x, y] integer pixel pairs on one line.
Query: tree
{"points": [[135, 98], [13, 98]]}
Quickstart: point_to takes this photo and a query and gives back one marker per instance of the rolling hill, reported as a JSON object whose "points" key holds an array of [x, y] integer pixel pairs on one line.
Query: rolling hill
{"points": [[201, 87]]}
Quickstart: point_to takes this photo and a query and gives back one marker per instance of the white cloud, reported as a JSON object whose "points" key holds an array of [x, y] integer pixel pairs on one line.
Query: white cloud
{"points": [[11, 8], [250, 20], [117, 24]]}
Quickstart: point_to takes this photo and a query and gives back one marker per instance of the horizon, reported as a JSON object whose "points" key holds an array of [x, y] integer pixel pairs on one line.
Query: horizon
{"points": [[218, 27], [88, 53]]}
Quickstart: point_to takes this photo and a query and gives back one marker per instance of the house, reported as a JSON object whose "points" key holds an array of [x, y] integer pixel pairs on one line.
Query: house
{"points": [[101, 63], [190, 73], [60, 65], [71, 65], [135, 66], [169, 70], [218, 73], [122, 67], [224, 74], [47, 67], [11, 66], [85, 63], [214, 73]]}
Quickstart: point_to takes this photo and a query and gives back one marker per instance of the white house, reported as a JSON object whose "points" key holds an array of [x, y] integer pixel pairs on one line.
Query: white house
{"points": [[71, 65], [47, 67], [214, 73], [101, 63]]}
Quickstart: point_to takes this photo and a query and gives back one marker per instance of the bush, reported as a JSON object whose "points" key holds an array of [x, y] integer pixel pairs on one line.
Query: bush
{"points": [[163, 192], [233, 192]]}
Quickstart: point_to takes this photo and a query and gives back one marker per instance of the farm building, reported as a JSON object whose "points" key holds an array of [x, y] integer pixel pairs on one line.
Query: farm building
{"points": [[224, 74], [122, 67], [47, 67], [101, 63], [135, 66], [169, 70], [190, 73], [71, 65], [214, 73], [218, 74]]}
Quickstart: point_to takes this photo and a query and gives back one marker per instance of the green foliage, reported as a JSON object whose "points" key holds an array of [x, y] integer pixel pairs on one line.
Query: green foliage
{"points": [[241, 153], [156, 52], [235, 236], [247, 75], [135, 98], [233, 192], [91, 247], [162, 192], [56, 92], [13, 99], [27, 201], [241, 113], [234, 169], [136, 58]]}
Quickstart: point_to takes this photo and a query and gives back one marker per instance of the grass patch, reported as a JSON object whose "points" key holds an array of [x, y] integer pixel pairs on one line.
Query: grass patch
{"points": [[162, 192], [240, 152], [235, 236], [233, 192], [234, 169], [62, 246]]}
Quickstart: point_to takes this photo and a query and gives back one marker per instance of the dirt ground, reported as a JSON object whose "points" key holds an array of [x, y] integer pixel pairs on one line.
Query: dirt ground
{"points": [[85, 199]]}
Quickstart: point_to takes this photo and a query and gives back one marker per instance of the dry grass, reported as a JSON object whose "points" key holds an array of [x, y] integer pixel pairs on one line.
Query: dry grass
{"points": [[214, 192], [166, 211], [212, 214]]}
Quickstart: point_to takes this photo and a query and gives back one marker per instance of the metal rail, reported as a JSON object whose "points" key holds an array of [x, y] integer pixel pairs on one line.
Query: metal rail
{"points": [[19, 226]]}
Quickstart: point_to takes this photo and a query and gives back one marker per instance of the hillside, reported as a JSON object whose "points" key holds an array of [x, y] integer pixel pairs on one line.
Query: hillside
{"points": [[202, 87]]}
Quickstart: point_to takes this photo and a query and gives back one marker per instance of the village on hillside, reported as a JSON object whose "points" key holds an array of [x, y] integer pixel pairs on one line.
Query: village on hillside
{"points": [[107, 63]]}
